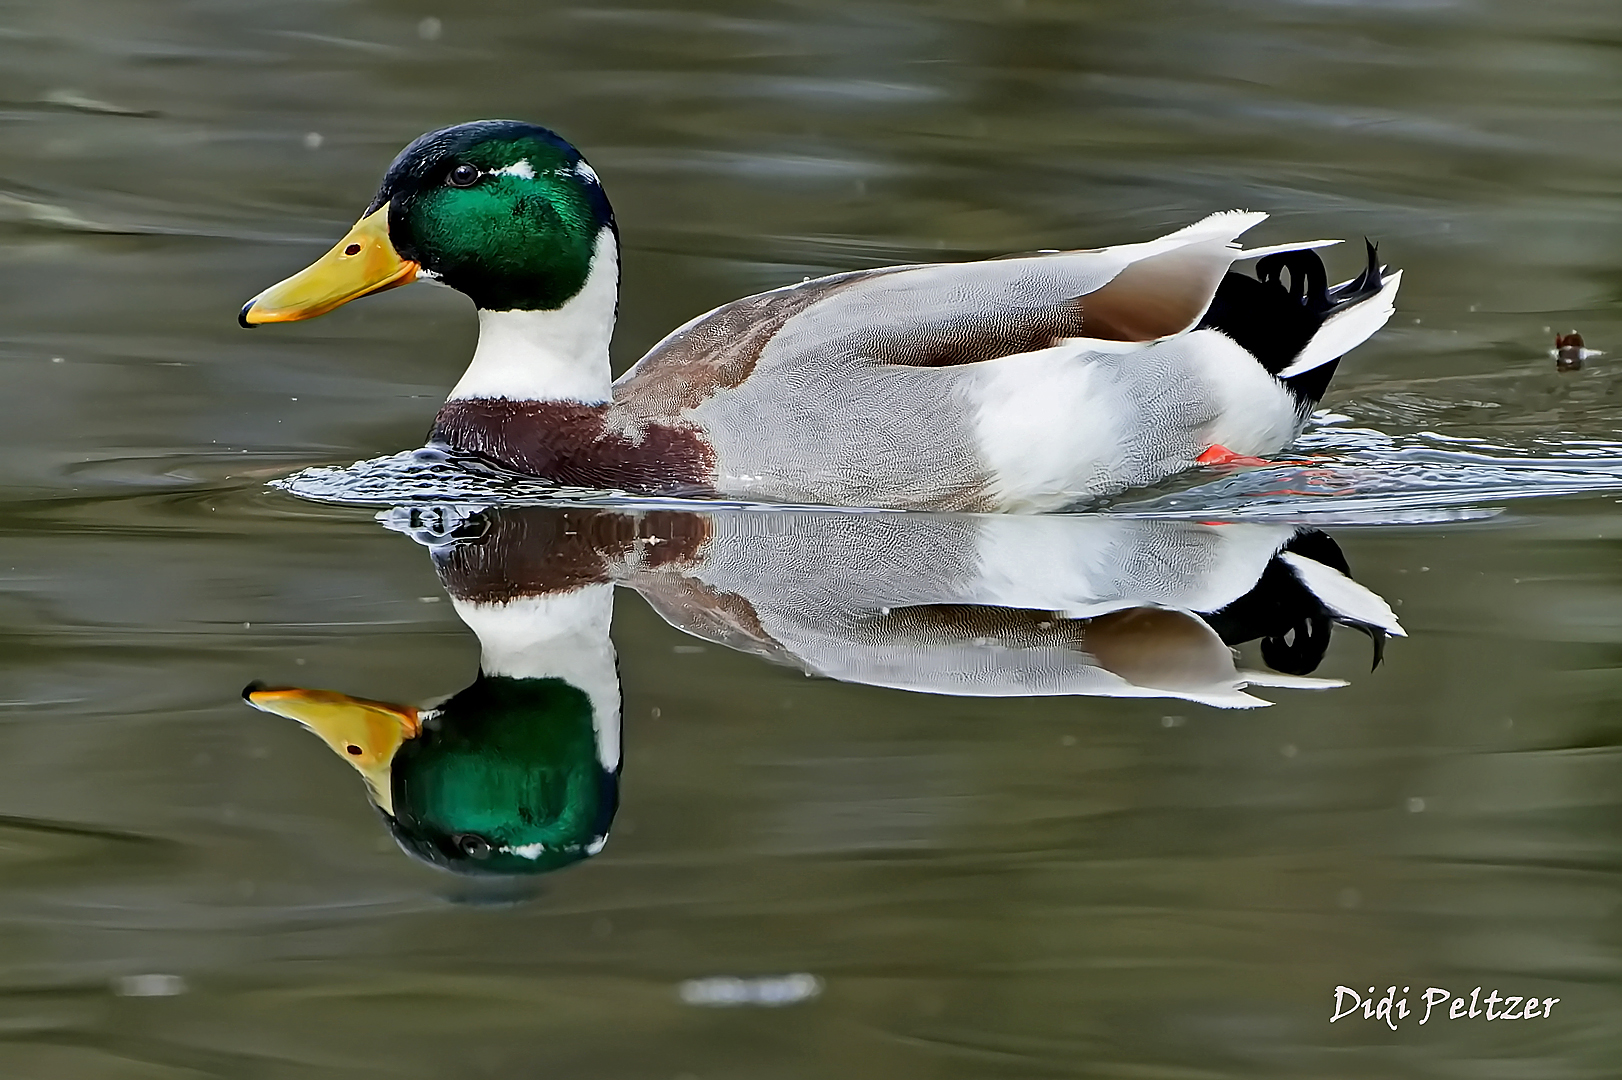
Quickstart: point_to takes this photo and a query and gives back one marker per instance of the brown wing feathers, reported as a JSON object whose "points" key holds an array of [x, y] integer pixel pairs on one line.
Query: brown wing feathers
{"points": [[1152, 298]]}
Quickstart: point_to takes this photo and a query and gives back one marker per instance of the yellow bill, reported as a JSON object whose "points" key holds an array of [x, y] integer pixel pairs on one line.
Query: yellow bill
{"points": [[363, 262], [367, 734]]}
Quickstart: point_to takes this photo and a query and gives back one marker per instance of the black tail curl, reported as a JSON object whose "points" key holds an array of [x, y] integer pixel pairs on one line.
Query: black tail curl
{"points": [[1273, 316]]}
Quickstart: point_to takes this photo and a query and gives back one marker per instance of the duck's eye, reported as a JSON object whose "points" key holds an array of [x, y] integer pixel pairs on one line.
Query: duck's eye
{"points": [[463, 176], [474, 847], [353, 749]]}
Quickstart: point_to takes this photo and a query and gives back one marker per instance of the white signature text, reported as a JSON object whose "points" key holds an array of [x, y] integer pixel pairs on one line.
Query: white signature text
{"points": [[1393, 1007]]}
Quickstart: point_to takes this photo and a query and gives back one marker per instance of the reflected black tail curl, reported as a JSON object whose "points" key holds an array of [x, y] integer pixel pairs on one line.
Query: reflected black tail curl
{"points": [[1292, 621], [1274, 314]]}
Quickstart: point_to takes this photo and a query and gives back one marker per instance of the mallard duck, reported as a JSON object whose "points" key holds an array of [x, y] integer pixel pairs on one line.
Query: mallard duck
{"points": [[519, 772], [1025, 383]]}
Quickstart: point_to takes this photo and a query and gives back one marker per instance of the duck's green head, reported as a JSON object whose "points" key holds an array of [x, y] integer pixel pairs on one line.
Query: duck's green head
{"points": [[506, 212], [502, 778]]}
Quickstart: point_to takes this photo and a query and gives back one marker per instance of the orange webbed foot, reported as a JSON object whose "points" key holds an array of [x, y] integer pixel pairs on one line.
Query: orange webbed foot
{"points": [[1221, 455]]}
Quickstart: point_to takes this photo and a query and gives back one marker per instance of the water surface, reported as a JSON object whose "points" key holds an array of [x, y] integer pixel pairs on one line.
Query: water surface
{"points": [[978, 886]]}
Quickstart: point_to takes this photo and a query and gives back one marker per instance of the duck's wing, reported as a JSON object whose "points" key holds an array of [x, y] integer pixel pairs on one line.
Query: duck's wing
{"points": [[970, 650], [1008, 652], [943, 315]]}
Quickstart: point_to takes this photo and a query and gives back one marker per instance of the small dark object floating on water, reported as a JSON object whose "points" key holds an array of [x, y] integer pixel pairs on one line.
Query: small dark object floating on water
{"points": [[1569, 352]]}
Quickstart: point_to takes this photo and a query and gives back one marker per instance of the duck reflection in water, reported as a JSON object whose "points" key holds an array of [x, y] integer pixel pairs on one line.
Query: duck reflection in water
{"points": [[519, 772]]}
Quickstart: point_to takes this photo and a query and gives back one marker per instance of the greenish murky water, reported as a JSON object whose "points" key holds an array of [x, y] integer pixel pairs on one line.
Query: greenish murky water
{"points": [[807, 876]]}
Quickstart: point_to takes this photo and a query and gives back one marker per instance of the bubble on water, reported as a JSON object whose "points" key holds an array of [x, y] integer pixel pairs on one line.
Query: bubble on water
{"points": [[150, 985], [313, 140], [770, 991], [430, 28]]}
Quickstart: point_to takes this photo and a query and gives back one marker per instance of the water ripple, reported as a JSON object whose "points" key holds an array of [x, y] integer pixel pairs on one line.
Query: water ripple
{"points": [[1347, 473]]}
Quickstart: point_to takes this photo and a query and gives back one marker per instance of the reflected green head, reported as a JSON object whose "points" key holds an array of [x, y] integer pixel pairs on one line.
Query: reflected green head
{"points": [[504, 779], [506, 212]]}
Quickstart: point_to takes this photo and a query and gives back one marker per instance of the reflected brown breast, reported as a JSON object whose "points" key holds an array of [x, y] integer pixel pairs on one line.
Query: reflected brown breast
{"points": [[534, 551]]}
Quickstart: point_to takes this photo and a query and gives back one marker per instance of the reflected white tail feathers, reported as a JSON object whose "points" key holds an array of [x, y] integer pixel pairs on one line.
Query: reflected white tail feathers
{"points": [[1280, 681], [1235, 699], [1345, 598]]}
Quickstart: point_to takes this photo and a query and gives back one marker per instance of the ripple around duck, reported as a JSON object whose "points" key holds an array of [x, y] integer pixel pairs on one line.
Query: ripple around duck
{"points": [[1360, 474], [1344, 473]]}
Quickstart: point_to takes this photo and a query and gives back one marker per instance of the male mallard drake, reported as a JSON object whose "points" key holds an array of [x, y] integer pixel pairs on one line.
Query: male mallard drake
{"points": [[519, 772], [1025, 383]]}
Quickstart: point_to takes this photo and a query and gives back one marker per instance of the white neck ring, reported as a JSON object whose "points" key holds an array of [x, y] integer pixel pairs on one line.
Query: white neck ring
{"points": [[559, 355]]}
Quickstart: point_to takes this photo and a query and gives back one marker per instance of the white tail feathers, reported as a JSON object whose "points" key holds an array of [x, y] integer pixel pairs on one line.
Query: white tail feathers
{"points": [[1347, 329]]}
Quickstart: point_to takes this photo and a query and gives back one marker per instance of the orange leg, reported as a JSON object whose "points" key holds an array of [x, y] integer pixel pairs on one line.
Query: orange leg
{"points": [[1221, 455]]}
